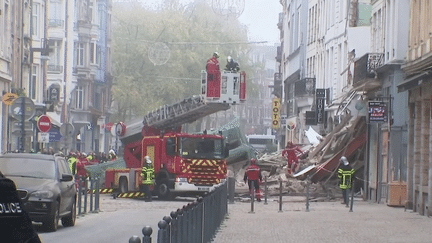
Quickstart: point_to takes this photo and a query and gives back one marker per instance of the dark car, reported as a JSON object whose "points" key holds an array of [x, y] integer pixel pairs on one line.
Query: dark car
{"points": [[45, 185]]}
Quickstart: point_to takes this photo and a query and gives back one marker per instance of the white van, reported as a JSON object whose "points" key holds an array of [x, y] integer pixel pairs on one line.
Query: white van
{"points": [[262, 142]]}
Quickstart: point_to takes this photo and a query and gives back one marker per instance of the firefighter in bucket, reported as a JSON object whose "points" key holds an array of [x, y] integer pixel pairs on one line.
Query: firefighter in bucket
{"points": [[148, 175]]}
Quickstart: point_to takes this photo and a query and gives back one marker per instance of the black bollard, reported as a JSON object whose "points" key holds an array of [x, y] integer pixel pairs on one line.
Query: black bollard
{"points": [[174, 227], [91, 194], [168, 230], [265, 190], [280, 196], [134, 239], [307, 194], [163, 225], [352, 195], [85, 195], [79, 194], [97, 196], [147, 231], [252, 196], [231, 185]]}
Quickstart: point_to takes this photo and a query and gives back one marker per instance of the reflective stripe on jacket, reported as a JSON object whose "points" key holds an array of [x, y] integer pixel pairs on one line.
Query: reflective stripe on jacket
{"points": [[345, 178], [148, 175]]}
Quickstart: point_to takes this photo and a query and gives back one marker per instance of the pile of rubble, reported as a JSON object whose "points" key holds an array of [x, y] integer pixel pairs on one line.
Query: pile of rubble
{"points": [[319, 166], [274, 170]]}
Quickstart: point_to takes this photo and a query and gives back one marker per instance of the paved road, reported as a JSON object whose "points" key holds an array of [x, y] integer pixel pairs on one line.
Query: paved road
{"points": [[325, 222], [118, 220]]}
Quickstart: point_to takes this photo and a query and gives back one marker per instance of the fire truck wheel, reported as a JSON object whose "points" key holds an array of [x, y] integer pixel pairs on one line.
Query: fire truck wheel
{"points": [[163, 191], [123, 185]]}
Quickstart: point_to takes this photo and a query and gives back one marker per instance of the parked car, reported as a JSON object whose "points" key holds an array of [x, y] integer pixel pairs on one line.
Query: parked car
{"points": [[45, 185]]}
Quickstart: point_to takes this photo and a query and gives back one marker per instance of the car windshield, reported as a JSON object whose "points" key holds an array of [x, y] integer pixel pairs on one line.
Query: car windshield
{"points": [[25, 167], [201, 148]]}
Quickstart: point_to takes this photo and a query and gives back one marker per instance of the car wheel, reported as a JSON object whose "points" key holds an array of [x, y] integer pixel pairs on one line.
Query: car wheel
{"points": [[163, 191], [70, 219], [123, 185], [52, 223]]}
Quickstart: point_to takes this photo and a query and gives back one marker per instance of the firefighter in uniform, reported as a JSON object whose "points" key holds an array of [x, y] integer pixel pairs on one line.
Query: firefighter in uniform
{"points": [[253, 175], [72, 162], [148, 174], [290, 152], [345, 175], [232, 66]]}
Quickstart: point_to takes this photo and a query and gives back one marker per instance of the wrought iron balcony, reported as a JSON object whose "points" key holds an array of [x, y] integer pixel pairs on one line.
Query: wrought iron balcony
{"points": [[304, 87], [280, 23], [55, 68], [365, 67], [279, 54], [56, 23]]}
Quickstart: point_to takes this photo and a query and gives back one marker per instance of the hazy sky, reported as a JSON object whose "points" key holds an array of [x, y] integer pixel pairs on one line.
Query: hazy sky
{"points": [[260, 16]]}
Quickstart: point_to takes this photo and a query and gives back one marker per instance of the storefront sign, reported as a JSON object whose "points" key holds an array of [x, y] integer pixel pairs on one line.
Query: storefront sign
{"points": [[320, 105], [276, 113], [377, 111]]}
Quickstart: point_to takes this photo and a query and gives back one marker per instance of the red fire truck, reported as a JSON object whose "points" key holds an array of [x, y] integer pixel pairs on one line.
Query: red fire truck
{"points": [[184, 163]]}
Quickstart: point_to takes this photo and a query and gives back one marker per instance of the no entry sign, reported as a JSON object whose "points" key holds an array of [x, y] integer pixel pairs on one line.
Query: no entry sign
{"points": [[44, 123]]}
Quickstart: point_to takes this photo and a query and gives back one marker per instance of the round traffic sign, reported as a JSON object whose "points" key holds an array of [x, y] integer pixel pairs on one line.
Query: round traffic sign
{"points": [[22, 108], [67, 129], [44, 123]]}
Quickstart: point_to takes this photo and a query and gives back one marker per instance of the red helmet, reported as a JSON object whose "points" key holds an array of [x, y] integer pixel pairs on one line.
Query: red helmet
{"points": [[253, 161]]}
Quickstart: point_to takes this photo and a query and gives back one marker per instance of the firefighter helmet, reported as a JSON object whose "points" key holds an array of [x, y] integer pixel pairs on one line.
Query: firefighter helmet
{"points": [[148, 160], [344, 160]]}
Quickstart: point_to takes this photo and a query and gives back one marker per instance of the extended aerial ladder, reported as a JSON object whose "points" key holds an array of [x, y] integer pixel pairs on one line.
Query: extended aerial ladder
{"points": [[170, 118]]}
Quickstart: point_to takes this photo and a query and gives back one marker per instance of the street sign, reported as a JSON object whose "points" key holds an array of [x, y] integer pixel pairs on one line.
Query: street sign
{"points": [[66, 129], [43, 137], [9, 98], [17, 128], [16, 108], [44, 123]]}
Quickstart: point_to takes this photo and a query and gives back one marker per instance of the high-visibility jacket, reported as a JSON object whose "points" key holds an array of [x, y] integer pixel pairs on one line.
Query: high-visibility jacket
{"points": [[148, 174], [345, 175], [72, 164]]}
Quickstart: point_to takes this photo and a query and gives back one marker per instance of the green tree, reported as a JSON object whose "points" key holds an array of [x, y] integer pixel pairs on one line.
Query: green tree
{"points": [[192, 33]]}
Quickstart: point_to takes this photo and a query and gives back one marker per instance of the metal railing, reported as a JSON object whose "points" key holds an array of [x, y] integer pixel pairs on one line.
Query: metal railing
{"points": [[88, 191], [195, 222]]}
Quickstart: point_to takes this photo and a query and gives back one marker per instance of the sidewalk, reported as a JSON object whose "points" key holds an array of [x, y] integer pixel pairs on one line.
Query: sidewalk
{"points": [[325, 222]]}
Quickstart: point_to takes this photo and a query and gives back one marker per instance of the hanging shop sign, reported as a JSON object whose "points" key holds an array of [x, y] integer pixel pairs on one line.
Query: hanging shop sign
{"points": [[276, 113], [320, 105], [377, 111]]}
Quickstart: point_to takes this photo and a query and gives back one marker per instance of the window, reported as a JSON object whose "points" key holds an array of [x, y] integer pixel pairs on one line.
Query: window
{"points": [[33, 82], [35, 20], [55, 10], [79, 54], [79, 97], [55, 60], [100, 16], [4, 43], [95, 53]]}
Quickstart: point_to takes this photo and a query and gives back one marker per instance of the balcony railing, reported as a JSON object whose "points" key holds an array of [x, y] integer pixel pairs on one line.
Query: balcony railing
{"points": [[280, 23], [279, 54], [365, 67], [56, 23], [55, 68], [304, 87]]}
